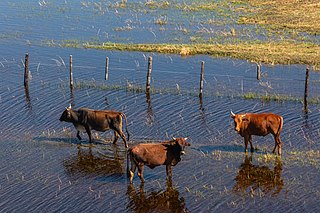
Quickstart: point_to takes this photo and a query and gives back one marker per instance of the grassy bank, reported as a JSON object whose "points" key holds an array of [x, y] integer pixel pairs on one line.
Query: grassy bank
{"points": [[271, 32], [265, 52]]}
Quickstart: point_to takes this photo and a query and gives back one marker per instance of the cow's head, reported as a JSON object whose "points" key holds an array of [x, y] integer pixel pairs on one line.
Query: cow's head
{"points": [[66, 115], [182, 143], [239, 121]]}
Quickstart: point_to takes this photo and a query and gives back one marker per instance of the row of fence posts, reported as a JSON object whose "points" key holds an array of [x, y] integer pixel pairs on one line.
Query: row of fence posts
{"points": [[148, 83]]}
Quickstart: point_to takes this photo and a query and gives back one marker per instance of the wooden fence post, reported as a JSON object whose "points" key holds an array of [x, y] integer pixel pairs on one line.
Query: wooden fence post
{"points": [[107, 68], [306, 92], [71, 76], [149, 74], [201, 79], [26, 70], [258, 71]]}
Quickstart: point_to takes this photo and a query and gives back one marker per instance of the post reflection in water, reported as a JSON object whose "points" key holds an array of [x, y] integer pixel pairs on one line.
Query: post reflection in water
{"points": [[155, 201], [254, 179], [89, 161]]}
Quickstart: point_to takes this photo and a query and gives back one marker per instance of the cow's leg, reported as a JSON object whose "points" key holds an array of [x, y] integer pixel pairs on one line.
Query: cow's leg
{"points": [[250, 140], [278, 143], [119, 132], [140, 172], [88, 130], [78, 135], [116, 137], [132, 171], [275, 145], [169, 172], [246, 139]]}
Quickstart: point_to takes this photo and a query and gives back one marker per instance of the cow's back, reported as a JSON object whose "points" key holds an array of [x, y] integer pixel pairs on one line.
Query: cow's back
{"points": [[149, 154], [265, 123], [100, 120]]}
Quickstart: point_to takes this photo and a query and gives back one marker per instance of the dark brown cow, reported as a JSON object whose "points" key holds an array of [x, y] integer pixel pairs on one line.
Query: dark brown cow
{"points": [[85, 119], [249, 124], [166, 153]]}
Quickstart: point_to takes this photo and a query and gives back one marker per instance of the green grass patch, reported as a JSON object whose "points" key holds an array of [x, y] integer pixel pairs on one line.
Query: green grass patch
{"points": [[265, 52]]}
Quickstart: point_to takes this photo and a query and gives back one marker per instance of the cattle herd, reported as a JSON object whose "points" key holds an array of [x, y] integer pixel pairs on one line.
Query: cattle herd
{"points": [[169, 152]]}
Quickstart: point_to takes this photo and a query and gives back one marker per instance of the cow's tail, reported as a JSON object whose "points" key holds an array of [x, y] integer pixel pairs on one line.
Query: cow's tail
{"points": [[280, 126], [125, 118]]}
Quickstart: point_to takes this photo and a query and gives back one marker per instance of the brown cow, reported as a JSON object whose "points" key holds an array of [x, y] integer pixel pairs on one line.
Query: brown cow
{"points": [[151, 154], [85, 119], [249, 124]]}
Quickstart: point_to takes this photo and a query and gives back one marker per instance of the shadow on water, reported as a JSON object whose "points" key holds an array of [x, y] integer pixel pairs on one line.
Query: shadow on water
{"points": [[226, 148], [223, 148], [254, 179], [168, 200], [68, 141], [90, 162]]}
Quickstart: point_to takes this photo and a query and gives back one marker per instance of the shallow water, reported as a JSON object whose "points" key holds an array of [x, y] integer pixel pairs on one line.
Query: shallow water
{"points": [[45, 168]]}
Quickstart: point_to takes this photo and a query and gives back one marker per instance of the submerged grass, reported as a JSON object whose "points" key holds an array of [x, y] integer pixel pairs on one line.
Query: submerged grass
{"points": [[136, 88]]}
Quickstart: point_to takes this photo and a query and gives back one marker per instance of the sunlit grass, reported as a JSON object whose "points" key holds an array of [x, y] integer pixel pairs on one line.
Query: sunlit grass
{"points": [[292, 14], [266, 52], [271, 32]]}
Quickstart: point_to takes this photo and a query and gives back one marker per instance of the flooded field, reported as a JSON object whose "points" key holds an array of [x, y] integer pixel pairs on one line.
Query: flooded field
{"points": [[44, 167]]}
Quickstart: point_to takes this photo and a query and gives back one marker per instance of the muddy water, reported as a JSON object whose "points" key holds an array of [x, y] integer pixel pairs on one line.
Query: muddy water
{"points": [[44, 167]]}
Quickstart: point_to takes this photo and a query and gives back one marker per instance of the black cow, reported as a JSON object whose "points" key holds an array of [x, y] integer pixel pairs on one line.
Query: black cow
{"points": [[84, 120]]}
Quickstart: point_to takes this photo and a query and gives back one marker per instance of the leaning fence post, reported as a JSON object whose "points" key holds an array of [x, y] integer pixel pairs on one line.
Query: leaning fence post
{"points": [[201, 79], [107, 68], [149, 74], [26, 70], [258, 71], [71, 76], [306, 92]]}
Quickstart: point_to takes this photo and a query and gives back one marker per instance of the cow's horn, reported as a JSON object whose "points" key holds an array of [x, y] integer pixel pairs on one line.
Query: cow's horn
{"points": [[185, 138], [174, 138], [69, 107], [232, 113]]}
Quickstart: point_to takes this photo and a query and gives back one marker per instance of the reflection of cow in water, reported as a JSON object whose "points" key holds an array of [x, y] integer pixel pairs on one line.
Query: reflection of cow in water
{"points": [[90, 161], [252, 177], [155, 201]]}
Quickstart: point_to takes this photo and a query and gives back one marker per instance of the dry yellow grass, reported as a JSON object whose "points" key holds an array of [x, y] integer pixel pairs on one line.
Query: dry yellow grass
{"points": [[292, 14], [268, 52]]}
